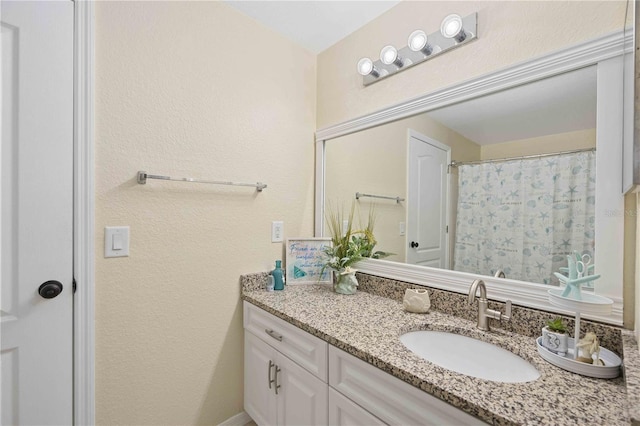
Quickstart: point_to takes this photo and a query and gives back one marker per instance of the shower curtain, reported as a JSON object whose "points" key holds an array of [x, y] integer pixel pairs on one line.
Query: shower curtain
{"points": [[524, 216]]}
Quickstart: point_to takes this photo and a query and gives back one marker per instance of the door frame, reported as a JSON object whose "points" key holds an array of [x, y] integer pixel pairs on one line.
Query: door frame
{"points": [[83, 214]]}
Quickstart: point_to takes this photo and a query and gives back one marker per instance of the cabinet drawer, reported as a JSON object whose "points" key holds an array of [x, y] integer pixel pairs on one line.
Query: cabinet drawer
{"points": [[301, 347], [389, 398]]}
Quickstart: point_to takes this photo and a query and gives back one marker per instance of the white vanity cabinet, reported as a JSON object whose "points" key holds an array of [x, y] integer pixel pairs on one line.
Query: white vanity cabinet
{"points": [[294, 378], [285, 372]]}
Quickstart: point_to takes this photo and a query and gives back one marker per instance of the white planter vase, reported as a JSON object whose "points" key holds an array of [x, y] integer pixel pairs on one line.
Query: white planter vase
{"points": [[555, 342], [345, 282]]}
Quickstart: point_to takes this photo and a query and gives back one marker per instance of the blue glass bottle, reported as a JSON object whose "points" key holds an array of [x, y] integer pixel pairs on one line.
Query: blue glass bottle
{"points": [[278, 276]]}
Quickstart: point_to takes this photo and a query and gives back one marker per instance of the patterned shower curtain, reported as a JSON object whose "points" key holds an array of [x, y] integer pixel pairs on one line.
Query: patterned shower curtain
{"points": [[524, 216]]}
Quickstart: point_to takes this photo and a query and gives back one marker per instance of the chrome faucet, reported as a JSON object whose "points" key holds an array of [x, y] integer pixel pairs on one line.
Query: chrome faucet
{"points": [[499, 274], [484, 313]]}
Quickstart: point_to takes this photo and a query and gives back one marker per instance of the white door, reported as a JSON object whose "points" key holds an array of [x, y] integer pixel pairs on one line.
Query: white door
{"points": [[427, 202], [36, 216]]}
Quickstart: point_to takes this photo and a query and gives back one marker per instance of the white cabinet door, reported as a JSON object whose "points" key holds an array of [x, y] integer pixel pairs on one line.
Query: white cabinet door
{"points": [[259, 380], [277, 391], [302, 398], [344, 412]]}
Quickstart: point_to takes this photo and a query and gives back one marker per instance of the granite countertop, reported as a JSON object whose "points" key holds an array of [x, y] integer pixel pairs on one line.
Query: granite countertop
{"points": [[368, 326]]}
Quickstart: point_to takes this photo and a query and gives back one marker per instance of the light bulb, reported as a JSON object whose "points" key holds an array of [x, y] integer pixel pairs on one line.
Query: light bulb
{"points": [[418, 42], [389, 55], [365, 67], [451, 27]]}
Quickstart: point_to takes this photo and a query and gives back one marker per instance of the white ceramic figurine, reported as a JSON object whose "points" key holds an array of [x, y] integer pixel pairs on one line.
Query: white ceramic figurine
{"points": [[589, 345]]}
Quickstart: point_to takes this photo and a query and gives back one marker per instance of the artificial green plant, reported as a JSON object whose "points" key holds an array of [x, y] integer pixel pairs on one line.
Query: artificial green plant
{"points": [[349, 245]]}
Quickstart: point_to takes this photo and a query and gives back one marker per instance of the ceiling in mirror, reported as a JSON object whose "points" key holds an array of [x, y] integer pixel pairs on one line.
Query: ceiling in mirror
{"points": [[552, 115], [561, 104]]}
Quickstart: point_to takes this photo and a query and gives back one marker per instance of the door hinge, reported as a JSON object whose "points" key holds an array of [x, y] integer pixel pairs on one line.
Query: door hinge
{"points": [[447, 229], [74, 285]]}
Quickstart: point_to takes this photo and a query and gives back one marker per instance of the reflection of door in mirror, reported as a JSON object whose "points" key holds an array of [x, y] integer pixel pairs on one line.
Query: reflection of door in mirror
{"points": [[374, 161], [427, 200]]}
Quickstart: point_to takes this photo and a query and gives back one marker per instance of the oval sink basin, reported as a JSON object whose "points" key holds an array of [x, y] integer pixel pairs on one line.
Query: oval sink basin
{"points": [[469, 356]]}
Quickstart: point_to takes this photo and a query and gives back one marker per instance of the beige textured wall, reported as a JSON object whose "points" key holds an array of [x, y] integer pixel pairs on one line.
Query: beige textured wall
{"points": [[559, 142], [508, 31], [178, 92], [380, 167]]}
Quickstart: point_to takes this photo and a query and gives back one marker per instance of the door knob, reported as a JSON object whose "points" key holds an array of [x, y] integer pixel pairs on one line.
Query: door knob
{"points": [[50, 289], [414, 244]]}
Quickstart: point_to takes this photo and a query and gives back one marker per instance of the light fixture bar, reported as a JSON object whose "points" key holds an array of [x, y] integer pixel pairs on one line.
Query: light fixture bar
{"points": [[437, 45]]}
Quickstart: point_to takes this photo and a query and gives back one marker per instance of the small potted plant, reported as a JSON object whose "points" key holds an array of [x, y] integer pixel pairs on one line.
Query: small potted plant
{"points": [[348, 247], [555, 336]]}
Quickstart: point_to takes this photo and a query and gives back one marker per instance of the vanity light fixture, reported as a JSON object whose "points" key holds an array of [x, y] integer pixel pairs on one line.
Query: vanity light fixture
{"points": [[452, 27], [455, 31]]}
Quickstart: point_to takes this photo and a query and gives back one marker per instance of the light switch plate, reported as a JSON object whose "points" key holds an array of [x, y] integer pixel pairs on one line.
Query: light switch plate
{"points": [[116, 241], [277, 230]]}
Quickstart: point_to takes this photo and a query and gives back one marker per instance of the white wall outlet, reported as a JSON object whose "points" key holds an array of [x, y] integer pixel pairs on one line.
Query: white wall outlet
{"points": [[277, 231], [116, 241], [402, 228]]}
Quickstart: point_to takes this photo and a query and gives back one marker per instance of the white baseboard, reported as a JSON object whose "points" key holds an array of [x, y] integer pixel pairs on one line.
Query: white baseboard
{"points": [[239, 419]]}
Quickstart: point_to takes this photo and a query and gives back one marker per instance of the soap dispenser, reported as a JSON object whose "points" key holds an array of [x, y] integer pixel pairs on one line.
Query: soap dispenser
{"points": [[278, 276]]}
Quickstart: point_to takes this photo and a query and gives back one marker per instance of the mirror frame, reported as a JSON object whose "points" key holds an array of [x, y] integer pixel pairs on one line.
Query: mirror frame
{"points": [[608, 54]]}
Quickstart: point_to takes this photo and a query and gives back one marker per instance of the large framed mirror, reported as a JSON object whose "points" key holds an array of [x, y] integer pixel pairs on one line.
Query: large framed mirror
{"points": [[439, 170]]}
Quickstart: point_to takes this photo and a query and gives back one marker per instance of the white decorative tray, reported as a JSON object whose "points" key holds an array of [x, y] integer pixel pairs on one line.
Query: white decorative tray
{"points": [[590, 303], [609, 370]]}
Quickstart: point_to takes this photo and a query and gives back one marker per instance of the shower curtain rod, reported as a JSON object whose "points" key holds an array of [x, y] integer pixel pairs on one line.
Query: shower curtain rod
{"points": [[455, 163]]}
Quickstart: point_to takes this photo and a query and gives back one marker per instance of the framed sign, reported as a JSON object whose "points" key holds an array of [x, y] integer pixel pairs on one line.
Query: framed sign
{"points": [[305, 259]]}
